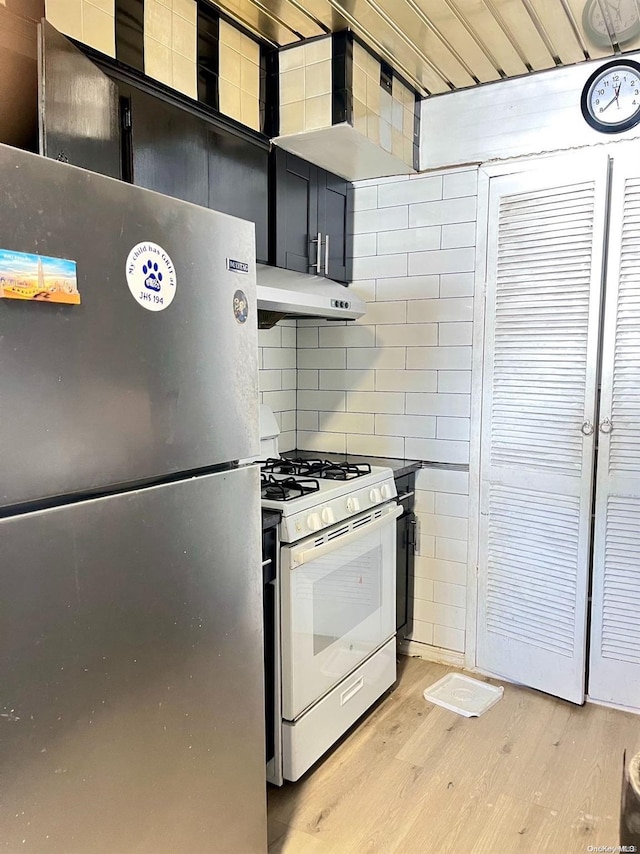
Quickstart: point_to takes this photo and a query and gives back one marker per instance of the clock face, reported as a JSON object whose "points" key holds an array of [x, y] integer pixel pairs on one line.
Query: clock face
{"points": [[603, 19], [611, 97]]}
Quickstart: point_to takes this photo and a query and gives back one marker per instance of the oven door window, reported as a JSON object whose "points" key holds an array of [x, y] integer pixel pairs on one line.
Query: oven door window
{"points": [[337, 609]]}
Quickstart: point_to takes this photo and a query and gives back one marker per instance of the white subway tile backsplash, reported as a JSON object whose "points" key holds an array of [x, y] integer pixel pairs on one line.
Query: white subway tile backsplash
{"points": [[455, 334], [333, 443], [387, 358], [289, 379], [422, 632], [451, 527], [439, 358], [384, 219], [437, 569], [378, 446], [439, 615], [407, 335], [384, 312], [442, 213], [308, 379], [458, 234], [425, 502], [441, 261], [448, 504], [347, 380], [308, 421], [280, 401], [426, 381], [452, 550], [270, 337], [453, 428], [458, 405], [382, 266], [375, 401], [449, 594], [423, 189], [328, 401], [347, 336], [408, 287], [346, 422], [423, 589], [270, 380], [274, 358], [436, 479], [438, 450], [408, 240], [289, 334], [364, 244], [405, 425], [454, 382], [307, 337], [457, 285], [457, 184], [440, 310], [288, 421], [365, 198], [426, 546], [447, 637], [323, 357]]}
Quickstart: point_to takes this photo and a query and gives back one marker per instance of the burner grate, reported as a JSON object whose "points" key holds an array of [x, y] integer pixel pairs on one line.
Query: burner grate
{"points": [[286, 489]]}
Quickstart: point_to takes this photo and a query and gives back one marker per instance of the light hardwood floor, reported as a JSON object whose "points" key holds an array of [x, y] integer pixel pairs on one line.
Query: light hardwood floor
{"points": [[533, 774]]}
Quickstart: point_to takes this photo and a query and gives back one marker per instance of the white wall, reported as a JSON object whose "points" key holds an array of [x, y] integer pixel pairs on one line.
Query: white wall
{"points": [[277, 363], [529, 115], [398, 382]]}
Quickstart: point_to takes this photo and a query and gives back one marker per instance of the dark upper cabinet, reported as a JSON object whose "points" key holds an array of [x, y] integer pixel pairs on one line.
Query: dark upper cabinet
{"points": [[310, 216], [174, 152]]}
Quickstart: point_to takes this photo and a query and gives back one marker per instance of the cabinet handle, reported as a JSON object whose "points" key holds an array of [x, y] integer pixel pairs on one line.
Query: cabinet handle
{"points": [[318, 241], [326, 256], [587, 428], [266, 562], [606, 426]]}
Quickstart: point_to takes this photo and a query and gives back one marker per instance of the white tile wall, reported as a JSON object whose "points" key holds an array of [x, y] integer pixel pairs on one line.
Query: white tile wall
{"points": [[278, 380], [398, 382]]}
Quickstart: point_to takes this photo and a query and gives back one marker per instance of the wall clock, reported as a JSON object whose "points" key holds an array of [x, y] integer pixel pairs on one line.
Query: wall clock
{"points": [[601, 18], [610, 99]]}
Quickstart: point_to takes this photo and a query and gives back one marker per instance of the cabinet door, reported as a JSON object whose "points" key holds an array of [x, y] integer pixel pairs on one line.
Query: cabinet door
{"points": [[614, 674], [296, 213], [544, 271], [332, 210], [78, 107]]}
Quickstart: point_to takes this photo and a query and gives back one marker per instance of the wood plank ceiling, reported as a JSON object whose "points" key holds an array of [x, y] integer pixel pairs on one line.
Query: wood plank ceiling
{"points": [[444, 45]]}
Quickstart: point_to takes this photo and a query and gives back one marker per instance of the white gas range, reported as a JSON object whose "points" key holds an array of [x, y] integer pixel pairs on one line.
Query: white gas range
{"points": [[336, 602]]}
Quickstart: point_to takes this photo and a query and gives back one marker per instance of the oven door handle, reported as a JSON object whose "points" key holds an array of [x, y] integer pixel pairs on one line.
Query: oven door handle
{"points": [[302, 556]]}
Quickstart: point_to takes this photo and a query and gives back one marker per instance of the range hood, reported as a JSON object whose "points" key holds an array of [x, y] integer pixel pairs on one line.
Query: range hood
{"points": [[282, 293]]}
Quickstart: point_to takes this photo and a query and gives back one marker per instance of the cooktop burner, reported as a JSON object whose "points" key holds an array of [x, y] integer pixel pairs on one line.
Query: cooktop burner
{"points": [[316, 468], [288, 488]]}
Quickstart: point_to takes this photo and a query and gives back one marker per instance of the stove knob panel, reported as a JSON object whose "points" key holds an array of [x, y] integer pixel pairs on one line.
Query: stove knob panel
{"points": [[313, 522], [374, 496], [385, 491], [327, 516], [353, 505]]}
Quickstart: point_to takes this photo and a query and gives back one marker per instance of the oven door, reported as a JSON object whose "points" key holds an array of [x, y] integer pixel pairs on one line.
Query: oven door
{"points": [[338, 603]]}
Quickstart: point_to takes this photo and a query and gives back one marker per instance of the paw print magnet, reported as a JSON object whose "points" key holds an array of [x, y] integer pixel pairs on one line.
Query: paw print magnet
{"points": [[151, 276]]}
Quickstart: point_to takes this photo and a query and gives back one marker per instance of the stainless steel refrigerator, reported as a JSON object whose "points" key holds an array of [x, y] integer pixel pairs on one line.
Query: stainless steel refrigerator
{"points": [[131, 687]]}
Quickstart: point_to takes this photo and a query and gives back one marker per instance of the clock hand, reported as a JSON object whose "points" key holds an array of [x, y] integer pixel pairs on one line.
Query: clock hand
{"points": [[615, 98]]}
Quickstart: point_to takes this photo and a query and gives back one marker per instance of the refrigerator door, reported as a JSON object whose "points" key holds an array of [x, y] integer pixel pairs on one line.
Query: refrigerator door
{"points": [[108, 392], [78, 115], [131, 693]]}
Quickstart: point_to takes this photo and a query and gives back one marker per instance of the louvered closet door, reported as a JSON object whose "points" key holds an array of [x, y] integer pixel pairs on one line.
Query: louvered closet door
{"points": [[544, 271], [614, 673]]}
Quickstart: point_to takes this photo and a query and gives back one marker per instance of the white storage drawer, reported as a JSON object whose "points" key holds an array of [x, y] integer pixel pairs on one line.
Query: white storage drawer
{"points": [[305, 740]]}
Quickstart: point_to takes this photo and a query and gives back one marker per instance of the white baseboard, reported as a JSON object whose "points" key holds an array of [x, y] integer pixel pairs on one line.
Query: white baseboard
{"points": [[431, 653], [632, 709]]}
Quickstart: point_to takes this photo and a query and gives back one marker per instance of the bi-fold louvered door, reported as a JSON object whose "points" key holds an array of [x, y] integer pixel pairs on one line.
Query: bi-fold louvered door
{"points": [[614, 673], [543, 293]]}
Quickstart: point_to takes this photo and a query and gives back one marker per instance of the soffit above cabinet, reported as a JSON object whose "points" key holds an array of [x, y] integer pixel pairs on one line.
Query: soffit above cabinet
{"points": [[443, 45]]}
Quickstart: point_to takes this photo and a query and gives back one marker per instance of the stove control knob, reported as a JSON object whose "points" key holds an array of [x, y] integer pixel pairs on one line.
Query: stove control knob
{"points": [[385, 491], [313, 522], [327, 516], [353, 505], [374, 496]]}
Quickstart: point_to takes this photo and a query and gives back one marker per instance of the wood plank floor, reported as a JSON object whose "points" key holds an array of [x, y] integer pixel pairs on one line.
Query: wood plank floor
{"points": [[534, 774]]}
